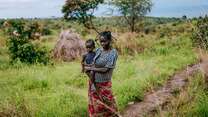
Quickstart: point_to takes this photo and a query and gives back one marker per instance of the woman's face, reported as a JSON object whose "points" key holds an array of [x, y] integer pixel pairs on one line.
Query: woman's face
{"points": [[105, 43]]}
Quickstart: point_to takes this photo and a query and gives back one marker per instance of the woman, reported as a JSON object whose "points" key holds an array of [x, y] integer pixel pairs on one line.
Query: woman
{"points": [[101, 99]]}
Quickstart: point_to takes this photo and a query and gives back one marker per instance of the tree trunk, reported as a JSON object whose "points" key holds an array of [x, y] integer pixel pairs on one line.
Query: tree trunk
{"points": [[132, 25]]}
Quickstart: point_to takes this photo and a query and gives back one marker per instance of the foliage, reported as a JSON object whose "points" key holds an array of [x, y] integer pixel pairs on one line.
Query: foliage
{"points": [[46, 31], [184, 17], [35, 28], [200, 34], [133, 10], [129, 44], [81, 10], [1, 23], [20, 43]]}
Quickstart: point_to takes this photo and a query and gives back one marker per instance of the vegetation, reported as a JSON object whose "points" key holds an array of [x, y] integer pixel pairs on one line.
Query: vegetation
{"points": [[133, 10], [20, 46], [200, 35], [81, 10], [150, 50], [192, 102], [146, 61]]}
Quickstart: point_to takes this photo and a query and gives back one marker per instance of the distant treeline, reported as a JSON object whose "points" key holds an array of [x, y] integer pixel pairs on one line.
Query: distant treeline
{"points": [[110, 21]]}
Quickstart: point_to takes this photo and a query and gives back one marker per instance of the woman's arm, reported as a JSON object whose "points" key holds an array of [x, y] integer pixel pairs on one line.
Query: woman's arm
{"points": [[88, 65], [102, 70]]}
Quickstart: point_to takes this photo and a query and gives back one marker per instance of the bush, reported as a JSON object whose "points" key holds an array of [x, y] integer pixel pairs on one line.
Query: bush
{"points": [[146, 31], [200, 34], [174, 24], [149, 29], [127, 44], [162, 34], [20, 44], [46, 31], [1, 23]]}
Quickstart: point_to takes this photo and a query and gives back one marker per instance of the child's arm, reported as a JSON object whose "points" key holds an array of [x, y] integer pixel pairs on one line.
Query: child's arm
{"points": [[83, 63], [92, 76]]}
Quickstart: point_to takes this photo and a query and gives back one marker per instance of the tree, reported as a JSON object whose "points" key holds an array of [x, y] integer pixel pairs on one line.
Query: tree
{"points": [[132, 10], [81, 10], [184, 17], [20, 43]]}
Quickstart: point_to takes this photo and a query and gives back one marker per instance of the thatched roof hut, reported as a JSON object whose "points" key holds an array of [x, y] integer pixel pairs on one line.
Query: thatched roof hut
{"points": [[69, 46]]}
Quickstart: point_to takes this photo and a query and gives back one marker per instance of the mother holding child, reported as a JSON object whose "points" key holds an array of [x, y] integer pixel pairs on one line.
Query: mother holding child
{"points": [[99, 67]]}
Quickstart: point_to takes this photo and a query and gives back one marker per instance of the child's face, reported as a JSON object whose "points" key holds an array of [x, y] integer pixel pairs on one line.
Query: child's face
{"points": [[89, 47]]}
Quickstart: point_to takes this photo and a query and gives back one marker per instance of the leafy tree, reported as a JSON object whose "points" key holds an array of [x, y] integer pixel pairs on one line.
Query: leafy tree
{"points": [[20, 43], [81, 10], [184, 17], [132, 10]]}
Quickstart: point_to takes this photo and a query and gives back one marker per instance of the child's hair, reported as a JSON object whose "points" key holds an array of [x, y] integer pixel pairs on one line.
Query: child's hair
{"points": [[91, 42]]}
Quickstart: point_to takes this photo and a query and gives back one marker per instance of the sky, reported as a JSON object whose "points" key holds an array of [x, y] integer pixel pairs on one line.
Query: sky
{"points": [[49, 8]]}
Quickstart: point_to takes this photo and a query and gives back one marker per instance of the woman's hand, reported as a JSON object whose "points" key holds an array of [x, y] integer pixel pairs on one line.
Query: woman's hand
{"points": [[102, 70], [88, 68]]}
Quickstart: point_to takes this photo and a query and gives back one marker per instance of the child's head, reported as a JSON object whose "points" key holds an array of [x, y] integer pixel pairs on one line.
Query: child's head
{"points": [[90, 45]]}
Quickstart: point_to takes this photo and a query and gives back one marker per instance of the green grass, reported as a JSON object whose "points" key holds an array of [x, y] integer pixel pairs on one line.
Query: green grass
{"points": [[191, 102], [61, 90]]}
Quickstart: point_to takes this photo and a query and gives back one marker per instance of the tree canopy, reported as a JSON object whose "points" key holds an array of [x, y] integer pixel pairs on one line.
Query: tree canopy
{"points": [[132, 10], [81, 10]]}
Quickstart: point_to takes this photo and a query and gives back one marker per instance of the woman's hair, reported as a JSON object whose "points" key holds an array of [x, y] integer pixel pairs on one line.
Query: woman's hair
{"points": [[107, 35], [90, 42]]}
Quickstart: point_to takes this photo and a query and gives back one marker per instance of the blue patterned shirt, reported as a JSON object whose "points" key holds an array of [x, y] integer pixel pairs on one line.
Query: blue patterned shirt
{"points": [[105, 59]]}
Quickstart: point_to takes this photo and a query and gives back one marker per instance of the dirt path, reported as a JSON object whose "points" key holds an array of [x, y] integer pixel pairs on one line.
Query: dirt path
{"points": [[157, 99]]}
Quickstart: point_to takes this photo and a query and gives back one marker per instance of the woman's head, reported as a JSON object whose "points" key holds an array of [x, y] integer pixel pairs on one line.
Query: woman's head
{"points": [[105, 39], [90, 45]]}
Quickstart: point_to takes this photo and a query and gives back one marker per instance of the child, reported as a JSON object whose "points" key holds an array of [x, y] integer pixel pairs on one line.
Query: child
{"points": [[87, 59]]}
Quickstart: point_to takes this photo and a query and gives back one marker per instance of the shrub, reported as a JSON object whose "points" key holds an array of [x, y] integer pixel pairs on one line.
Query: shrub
{"points": [[146, 31], [1, 23], [200, 34], [20, 44], [127, 43], [149, 29], [162, 34], [174, 24], [46, 31]]}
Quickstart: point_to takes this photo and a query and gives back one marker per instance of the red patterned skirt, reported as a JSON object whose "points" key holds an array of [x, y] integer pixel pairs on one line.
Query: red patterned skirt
{"points": [[101, 100]]}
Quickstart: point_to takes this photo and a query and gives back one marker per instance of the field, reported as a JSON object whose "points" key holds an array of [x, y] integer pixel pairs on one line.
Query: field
{"points": [[60, 89]]}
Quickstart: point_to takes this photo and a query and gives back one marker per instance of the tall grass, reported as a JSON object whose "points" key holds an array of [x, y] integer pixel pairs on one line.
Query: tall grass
{"points": [[191, 102]]}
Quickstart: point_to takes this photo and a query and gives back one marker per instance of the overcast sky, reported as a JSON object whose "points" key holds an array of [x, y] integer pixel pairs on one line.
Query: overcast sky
{"points": [[49, 8]]}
